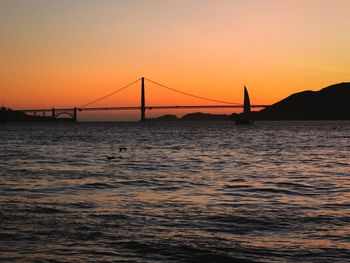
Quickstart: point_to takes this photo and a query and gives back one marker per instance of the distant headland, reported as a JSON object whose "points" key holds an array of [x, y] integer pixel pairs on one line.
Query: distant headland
{"points": [[195, 116], [330, 103], [9, 115]]}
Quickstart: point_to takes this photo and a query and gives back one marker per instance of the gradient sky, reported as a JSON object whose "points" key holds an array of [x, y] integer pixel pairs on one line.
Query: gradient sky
{"points": [[66, 53]]}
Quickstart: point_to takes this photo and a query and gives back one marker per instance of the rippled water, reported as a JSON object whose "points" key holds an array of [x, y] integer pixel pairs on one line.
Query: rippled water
{"points": [[182, 192]]}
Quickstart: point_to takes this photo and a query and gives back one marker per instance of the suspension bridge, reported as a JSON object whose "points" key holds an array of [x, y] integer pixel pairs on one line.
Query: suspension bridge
{"points": [[118, 101]]}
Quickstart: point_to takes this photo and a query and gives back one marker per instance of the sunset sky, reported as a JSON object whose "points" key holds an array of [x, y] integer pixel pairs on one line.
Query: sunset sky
{"points": [[65, 53]]}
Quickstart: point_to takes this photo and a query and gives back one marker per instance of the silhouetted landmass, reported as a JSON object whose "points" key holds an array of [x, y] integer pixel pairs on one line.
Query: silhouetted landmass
{"points": [[8, 115], [196, 116], [199, 116], [330, 103], [167, 117]]}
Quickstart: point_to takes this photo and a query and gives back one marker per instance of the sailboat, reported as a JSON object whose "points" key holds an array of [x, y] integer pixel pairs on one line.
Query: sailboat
{"points": [[245, 117]]}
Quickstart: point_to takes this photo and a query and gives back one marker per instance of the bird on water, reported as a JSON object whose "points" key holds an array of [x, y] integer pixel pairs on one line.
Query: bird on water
{"points": [[122, 149]]}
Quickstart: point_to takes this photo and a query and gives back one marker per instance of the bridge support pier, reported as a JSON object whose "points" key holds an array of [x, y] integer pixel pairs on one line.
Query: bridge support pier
{"points": [[143, 104], [75, 116], [53, 116]]}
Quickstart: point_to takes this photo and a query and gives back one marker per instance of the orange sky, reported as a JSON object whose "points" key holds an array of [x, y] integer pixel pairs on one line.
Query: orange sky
{"points": [[67, 53]]}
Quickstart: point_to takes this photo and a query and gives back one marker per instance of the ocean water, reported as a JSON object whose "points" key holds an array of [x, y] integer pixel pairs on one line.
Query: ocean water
{"points": [[182, 192]]}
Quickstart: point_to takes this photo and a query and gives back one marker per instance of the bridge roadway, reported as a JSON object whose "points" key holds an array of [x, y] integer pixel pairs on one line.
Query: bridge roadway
{"points": [[147, 108]]}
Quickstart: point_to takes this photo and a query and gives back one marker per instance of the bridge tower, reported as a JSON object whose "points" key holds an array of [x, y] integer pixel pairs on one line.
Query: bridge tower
{"points": [[53, 114], [75, 115], [143, 104]]}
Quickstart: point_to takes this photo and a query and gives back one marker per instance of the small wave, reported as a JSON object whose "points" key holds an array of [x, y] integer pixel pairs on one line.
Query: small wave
{"points": [[96, 186], [167, 188], [84, 205], [276, 191], [298, 185]]}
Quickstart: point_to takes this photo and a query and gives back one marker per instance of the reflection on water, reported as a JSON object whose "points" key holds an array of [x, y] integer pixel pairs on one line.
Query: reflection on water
{"points": [[181, 192]]}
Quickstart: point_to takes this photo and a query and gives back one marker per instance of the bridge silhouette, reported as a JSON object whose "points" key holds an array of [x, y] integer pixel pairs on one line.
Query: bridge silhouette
{"points": [[72, 113]]}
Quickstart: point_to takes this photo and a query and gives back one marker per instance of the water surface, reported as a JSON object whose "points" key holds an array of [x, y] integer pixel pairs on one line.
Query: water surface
{"points": [[182, 192]]}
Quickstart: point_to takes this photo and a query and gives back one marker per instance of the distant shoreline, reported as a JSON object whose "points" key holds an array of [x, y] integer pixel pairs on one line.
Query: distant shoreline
{"points": [[328, 104]]}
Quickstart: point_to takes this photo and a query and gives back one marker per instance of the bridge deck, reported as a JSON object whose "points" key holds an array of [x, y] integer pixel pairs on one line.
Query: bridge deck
{"points": [[147, 107]]}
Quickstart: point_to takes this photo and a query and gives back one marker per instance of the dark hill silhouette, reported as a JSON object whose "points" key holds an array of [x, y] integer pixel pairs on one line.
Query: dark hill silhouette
{"points": [[195, 116], [166, 117], [330, 103], [199, 116]]}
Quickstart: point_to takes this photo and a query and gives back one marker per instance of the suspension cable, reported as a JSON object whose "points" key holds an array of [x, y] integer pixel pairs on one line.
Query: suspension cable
{"points": [[92, 102], [188, 94]]}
